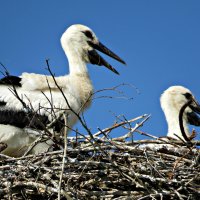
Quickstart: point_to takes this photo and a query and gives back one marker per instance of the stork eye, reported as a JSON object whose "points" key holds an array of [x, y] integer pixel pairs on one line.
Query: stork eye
{"points": [[187, 95], [89, 34]]}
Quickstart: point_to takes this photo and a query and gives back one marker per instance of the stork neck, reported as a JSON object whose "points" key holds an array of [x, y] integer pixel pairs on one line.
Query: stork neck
{"points": [[174, 127], [76, 63], [77, 66]]}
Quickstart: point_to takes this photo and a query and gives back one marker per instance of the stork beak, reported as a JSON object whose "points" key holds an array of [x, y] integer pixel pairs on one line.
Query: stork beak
{"points": [[195, 106], [192, 117], [95, 58]]}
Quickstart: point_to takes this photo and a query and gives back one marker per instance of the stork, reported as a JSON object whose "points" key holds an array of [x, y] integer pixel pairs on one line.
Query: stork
{"points": [[172, 101], [25, 99]]}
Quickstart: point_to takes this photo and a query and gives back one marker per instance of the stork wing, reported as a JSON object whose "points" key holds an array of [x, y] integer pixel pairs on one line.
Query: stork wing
{"points": [[13, 113], [31, 81]]}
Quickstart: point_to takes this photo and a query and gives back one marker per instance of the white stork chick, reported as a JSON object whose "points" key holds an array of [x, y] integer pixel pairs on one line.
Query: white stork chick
{"points": [[172, 100], [17, 121]]}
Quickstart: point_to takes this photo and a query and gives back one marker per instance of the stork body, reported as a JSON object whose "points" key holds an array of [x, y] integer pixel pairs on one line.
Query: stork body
{"points": [[172, 100], [31, 96]]}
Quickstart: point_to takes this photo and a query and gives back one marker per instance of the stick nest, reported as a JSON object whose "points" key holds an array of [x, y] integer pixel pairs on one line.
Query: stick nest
{"points": [[100, 167]]}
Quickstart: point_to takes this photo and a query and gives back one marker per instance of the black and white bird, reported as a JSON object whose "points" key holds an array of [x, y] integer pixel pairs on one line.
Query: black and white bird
{"points": [[25, 99], [172, 101]]}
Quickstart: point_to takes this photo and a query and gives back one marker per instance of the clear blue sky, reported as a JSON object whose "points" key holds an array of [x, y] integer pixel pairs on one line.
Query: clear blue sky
{"points": [[159, 40]]}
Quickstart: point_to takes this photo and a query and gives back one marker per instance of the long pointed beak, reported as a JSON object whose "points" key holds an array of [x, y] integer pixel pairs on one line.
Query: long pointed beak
{"points": [[95, 58], [195, 106], [100, 47], [192, 117]]}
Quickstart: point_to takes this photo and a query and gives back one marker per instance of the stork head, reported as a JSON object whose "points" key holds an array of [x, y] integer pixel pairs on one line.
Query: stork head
{"points": [[81, 42], [172, 100]]}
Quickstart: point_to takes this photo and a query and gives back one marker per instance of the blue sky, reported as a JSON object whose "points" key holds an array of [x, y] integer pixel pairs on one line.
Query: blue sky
{"points": [[159, 40]]}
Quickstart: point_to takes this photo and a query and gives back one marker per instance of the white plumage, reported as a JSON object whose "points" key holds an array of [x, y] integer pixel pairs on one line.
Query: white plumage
{"points": [[79, 43], [172, 100]]}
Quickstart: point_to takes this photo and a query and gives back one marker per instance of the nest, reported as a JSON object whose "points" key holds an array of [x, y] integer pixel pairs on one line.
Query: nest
{"points": [[96, 166]]}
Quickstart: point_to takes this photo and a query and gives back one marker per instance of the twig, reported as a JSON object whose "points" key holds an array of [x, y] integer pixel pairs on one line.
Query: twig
{"points": [[64, 159]]}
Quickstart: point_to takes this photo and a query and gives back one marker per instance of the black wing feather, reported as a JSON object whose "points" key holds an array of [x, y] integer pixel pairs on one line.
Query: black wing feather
{"points": [[11, 80], [23, 119]]}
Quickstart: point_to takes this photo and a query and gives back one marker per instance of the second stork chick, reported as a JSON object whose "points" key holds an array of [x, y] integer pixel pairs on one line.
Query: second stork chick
{"points": [[172, 100]]}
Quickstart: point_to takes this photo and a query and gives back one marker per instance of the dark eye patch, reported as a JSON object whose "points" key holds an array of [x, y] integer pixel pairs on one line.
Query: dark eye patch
{"points": [[187, 95], [89, 34]]}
